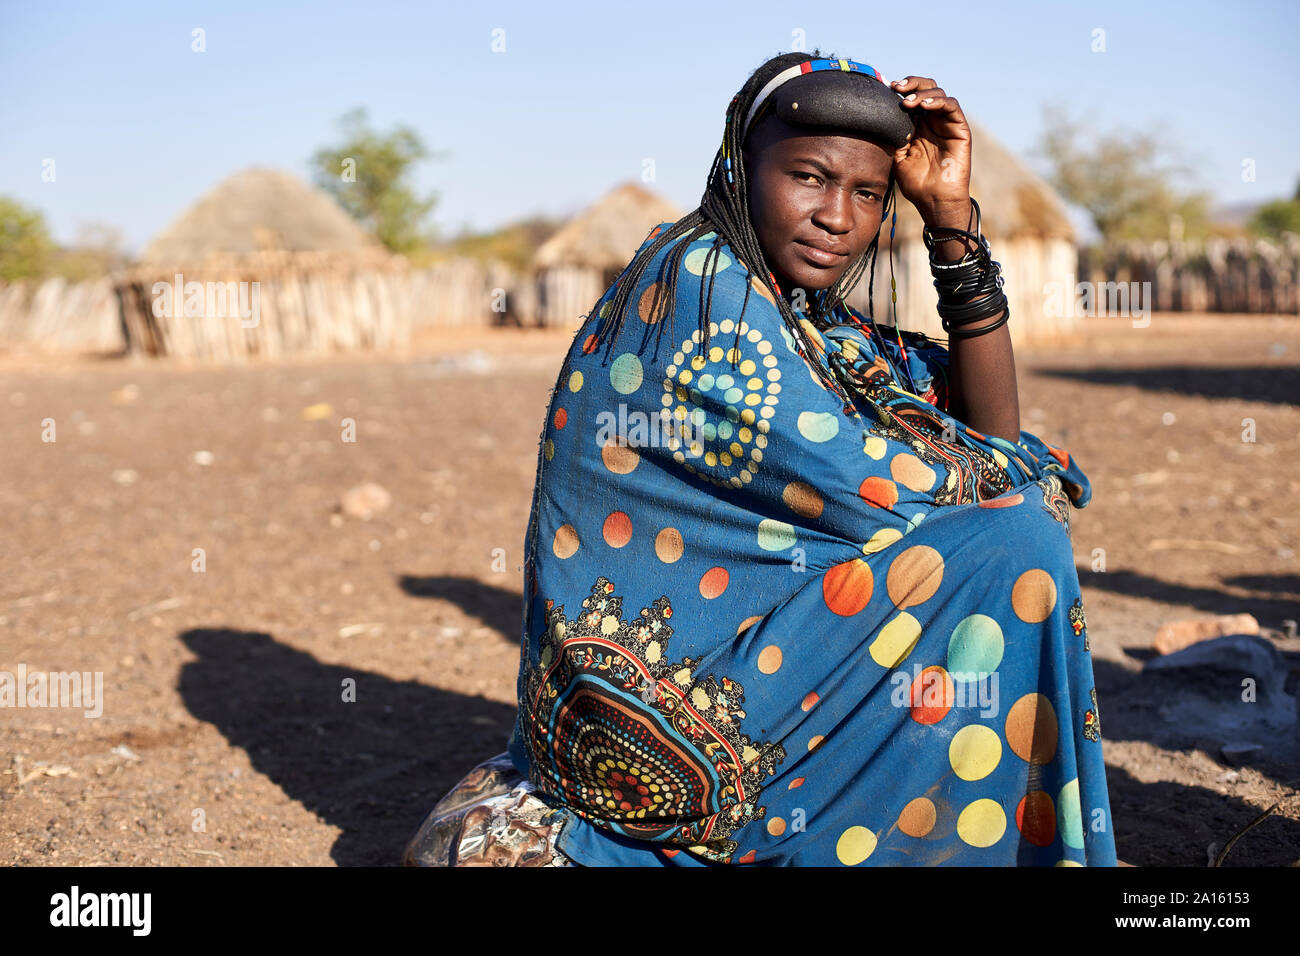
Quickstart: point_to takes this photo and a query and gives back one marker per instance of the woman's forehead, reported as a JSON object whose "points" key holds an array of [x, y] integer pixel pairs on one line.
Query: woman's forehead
{"points": [[774, 133]]}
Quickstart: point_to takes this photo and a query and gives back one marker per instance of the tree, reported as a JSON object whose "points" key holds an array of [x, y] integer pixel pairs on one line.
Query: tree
{"points": [[98, 251], [1123, 180], [1276, 217], [369, 174], [25, 245]]}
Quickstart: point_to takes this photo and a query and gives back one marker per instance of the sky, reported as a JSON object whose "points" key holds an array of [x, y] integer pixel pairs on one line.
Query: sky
{"points": [[577, 96]]}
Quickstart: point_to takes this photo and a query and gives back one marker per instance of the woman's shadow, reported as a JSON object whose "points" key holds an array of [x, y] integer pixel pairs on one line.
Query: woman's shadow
{"points": [[366, 753]]}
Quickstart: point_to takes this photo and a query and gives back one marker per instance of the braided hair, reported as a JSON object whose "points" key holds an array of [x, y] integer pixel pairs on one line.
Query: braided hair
{"points": [[724, 210]]}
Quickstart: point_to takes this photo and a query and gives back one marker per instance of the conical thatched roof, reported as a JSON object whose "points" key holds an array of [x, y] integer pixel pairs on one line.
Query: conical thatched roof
{"points": [[1014, 202], [257, 212], [608, 233]]}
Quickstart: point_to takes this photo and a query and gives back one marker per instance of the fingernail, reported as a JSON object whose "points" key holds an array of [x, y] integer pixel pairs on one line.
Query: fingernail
{"points": [[928, 99], [910, 96]]}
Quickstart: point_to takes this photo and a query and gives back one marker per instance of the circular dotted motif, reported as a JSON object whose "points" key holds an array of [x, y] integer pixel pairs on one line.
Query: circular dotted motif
{"points": [[718, 402]]}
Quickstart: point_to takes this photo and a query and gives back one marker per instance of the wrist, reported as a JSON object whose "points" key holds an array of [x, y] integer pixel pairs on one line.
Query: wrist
{"points": [[948, 214]]}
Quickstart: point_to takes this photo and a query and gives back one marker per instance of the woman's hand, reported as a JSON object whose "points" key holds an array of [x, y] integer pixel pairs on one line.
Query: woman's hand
{"points": [[933, 169]]}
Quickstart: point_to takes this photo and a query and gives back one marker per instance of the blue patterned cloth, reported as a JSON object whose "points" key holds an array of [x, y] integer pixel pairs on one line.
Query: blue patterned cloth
{"points": [[761, 627]]}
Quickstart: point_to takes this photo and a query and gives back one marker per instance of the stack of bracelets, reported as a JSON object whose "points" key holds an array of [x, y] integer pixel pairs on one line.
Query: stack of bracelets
{"points": [[962, 283]]}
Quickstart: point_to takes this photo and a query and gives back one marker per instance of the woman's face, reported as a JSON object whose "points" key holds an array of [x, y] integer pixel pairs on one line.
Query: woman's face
{"points": [[815, 200]]}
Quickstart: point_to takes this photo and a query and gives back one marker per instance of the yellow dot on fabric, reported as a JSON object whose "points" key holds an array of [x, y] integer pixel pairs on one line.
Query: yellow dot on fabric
{"points": [[1000, 458], [747, 367], [698, 362], [896, 640], [769, 659], [549, 449], [910, 471], [815, 742], [565, 544], [1033, 596], [1032, 729], [803, 499], [575, 381], [875, 446], [917, 818], [974, 751], [855, 845], [776, 826], [982, 823], [669, 546], [619, 457], [715, 354], [914, 576], [881, 540], [1067, 863]]}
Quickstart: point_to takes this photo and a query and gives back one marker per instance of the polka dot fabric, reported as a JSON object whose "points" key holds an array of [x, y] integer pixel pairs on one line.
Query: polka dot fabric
{"points": [[762, 627]]}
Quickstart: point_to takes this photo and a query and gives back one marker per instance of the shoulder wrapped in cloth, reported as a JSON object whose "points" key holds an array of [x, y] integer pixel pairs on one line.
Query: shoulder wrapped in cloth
{"points": [[739, 593]]}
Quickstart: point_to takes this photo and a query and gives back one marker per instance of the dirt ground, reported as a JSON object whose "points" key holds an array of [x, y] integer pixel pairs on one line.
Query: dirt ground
{"points": [[223, 738]]}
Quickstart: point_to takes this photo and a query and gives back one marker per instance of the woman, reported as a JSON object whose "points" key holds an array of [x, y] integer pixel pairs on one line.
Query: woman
{"points": [[798, 591]]}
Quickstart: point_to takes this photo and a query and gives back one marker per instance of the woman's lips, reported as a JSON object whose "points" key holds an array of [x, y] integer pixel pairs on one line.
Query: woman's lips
{"points": [[819, 257]]}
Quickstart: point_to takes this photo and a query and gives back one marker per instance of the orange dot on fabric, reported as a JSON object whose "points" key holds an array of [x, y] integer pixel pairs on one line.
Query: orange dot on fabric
{"points": [[565, 544], [796, 783], [1060, 454], [933, 694], [748, 622], [561, 416], [748, 857], [713, 583], [917, 818], [1033, 596], [914, 576], [655, 303], [1003, 501], [618, 457], [1036, 818], [816, 742], [847, 587], [617, 529], [776, 826], [878, 492], [669, 546], [810, 701], [1032, 729], [803, 499], [590, 344], [769, 659], [762, 289]]}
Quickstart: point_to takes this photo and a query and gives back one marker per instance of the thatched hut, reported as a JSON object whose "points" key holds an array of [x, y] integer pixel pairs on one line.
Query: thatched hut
{"points": [[263, 264], [577, 264]]}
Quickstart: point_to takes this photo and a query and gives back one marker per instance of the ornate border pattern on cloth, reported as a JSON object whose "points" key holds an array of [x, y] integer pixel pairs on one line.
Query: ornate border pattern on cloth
{"points": [[635, 743]]}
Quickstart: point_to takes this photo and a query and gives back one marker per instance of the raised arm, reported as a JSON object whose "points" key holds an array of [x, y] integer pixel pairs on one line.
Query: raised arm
{"points": [[933, 172]]}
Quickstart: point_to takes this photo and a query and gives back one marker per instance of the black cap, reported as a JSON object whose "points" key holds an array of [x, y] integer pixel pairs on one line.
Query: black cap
{"points": [[844, 100]]}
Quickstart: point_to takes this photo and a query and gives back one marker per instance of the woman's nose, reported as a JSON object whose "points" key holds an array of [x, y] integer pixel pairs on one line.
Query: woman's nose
{"points": [[835, 213]]}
